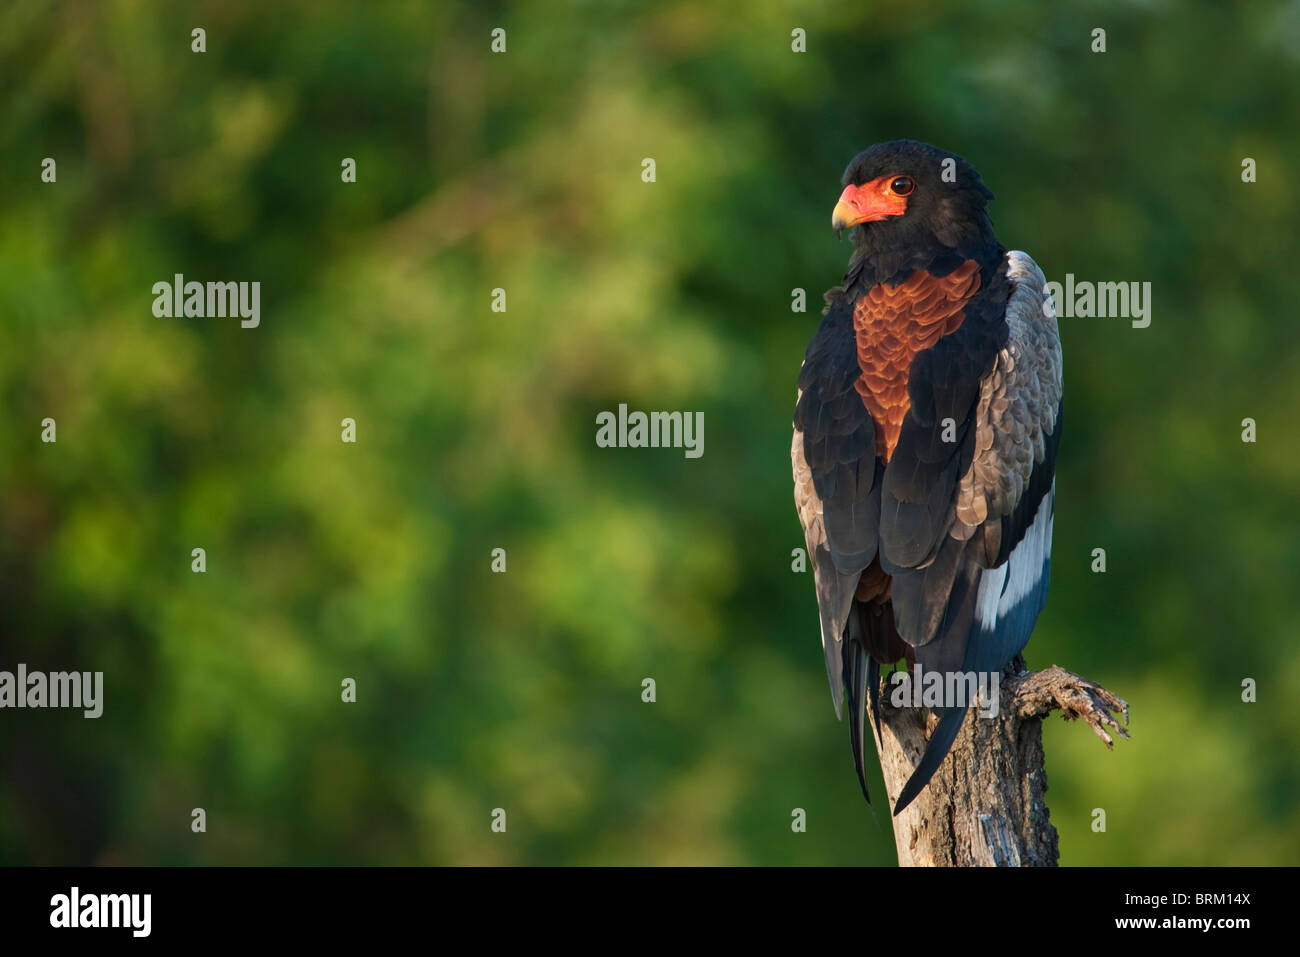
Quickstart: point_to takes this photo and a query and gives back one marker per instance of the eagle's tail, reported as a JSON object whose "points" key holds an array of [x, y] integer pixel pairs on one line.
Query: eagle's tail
{"points": [[944, 735], [870, 638], [860, 672]]}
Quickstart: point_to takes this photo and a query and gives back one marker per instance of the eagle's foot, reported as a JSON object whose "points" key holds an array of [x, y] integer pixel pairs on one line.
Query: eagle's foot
{"points": [[1036, 694]]}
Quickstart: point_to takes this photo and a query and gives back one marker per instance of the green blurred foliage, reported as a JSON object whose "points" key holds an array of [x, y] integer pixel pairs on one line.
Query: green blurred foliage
{"points": [[476, 429]]}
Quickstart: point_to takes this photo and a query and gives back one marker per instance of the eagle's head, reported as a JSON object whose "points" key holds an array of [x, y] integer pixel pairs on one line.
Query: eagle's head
{"points": [[906, 194]]}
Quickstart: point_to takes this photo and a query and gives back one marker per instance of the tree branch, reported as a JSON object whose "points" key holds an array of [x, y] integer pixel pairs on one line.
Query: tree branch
{"points": [[985, 806]]}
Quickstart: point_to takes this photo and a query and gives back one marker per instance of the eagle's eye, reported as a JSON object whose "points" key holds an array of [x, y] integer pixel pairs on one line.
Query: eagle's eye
{"points": [[902, 185]]}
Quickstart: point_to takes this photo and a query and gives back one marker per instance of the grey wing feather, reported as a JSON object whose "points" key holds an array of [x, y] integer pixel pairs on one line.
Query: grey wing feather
{"points": [[1016, 419], [834, 588]]}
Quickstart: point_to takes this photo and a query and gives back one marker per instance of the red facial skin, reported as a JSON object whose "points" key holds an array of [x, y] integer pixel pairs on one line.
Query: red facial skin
{"points": [[868, 203]]}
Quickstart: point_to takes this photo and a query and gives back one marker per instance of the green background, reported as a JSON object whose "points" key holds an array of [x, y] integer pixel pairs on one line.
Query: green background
{"points": [[476, 429]]}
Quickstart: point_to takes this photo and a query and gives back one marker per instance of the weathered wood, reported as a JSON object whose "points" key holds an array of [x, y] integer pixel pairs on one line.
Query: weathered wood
{"points": [[986, 805]]}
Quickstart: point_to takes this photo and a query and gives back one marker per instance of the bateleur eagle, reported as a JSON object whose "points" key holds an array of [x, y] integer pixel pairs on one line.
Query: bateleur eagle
{"points": [[925, 437]]}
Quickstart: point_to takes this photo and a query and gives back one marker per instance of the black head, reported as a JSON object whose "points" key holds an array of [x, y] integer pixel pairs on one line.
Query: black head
{"points": [[904, 197]]}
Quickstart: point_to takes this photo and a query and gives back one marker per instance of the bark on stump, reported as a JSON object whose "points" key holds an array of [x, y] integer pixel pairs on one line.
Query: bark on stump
{"points": [[985, 806]]}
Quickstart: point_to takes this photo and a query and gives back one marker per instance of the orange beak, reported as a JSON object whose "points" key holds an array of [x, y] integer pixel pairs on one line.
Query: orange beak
{"points": [[867, 203]]}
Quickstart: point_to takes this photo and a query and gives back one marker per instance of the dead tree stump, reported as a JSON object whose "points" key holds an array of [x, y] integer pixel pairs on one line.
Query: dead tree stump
{"points": [[985, 806]]}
